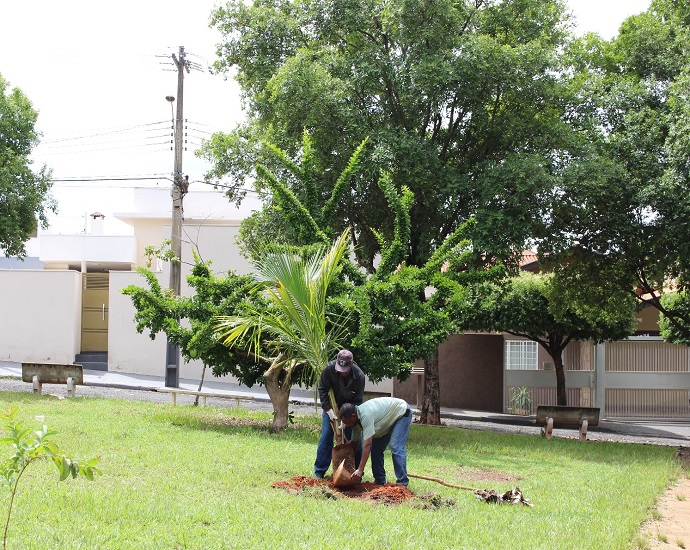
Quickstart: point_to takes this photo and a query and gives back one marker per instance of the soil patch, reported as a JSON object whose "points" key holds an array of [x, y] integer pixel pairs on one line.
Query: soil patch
{"points": [[486, 475], [670, 527], [383, 494], [670, 524]]}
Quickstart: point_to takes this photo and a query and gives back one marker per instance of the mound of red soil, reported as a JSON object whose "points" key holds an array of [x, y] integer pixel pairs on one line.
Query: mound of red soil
{"points": [[385, 494]]}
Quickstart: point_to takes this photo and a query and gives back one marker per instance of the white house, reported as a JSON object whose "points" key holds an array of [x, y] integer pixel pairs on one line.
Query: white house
{"points": [[66, 300]]}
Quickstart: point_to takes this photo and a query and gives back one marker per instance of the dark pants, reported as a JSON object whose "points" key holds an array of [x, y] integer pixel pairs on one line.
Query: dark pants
{"points": [[397, 439]]}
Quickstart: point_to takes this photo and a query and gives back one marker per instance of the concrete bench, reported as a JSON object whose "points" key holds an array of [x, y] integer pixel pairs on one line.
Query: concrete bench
{"points": [[204, 394], [561, 415], [49, 373]]}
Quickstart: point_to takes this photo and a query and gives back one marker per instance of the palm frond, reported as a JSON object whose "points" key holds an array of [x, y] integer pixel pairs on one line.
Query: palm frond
{"points": [[296, 321]]}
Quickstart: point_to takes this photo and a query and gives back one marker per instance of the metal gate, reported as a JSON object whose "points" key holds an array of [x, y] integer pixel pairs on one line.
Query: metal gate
{"points": [[641, 377], [644, 377]]}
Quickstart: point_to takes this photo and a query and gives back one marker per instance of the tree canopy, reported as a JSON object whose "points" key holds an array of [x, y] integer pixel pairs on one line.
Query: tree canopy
{"points": [[461, 106], [24, 193], [460, 101], [619, 216]]}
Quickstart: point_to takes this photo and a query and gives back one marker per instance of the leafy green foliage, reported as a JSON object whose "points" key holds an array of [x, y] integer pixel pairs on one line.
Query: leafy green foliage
{"points": [[188, 321], [460, 103], [678, 302], [296, 324], [461, 106], [619, 219], [30, 446], [24, 193]]}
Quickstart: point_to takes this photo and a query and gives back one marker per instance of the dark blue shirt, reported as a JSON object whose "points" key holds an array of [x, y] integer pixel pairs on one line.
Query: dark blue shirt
{"points": [[346, 389]]}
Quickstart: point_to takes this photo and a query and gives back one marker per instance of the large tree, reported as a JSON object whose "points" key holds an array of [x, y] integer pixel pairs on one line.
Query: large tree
{"points": [[24, 193], [459, 101], [395, 315], [535, 307], [620, 218]]}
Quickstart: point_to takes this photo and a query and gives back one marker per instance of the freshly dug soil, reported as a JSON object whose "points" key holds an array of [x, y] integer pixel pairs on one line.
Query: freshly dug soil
{"points": [[384, 494]]}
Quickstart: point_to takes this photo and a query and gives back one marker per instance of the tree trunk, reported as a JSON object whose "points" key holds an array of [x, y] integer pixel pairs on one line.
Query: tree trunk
{"points": [[278, 390], [201, 383], [561, 395], [431, 407]]}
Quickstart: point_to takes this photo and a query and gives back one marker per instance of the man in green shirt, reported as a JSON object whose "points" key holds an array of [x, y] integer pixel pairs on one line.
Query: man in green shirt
{"points": [[379, 423]]}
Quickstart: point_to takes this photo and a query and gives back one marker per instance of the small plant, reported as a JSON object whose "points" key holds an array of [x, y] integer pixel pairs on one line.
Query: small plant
{"points": [[30, 447], [662, 538], [680, 496], [521, 400], [680, 543], [290, 416]]}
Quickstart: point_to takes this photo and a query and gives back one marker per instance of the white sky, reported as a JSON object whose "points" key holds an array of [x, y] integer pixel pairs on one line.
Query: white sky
{"points": [[92, 67]]}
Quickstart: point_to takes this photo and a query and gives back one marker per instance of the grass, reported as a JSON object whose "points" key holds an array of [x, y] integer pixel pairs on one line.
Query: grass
{"points": [[190, 478]]}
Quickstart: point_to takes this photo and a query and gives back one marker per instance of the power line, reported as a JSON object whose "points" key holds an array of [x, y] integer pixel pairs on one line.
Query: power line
{"points": [[161, 147], [109, 178], [108, 132], [167, 177]]}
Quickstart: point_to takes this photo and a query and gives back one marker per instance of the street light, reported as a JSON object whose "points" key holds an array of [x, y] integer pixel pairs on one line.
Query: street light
{"points": [[171, 99]]}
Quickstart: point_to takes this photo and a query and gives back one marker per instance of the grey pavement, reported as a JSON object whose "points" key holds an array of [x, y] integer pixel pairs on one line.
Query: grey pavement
{"points": [[141, 387]]}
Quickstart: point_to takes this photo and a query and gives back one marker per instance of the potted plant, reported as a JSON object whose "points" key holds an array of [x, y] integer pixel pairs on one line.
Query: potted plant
{"points": [[520, 400]]}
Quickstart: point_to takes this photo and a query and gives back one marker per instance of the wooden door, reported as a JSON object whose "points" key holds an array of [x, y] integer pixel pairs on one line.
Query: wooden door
{"points": [[94, 313]]}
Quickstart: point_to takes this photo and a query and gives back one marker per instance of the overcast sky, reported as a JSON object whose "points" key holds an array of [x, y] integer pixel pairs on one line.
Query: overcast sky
{"points": [[98, 73]]}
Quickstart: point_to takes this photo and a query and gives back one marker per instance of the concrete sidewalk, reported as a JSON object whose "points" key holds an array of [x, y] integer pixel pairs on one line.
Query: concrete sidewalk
{"points": [[659, 432]]}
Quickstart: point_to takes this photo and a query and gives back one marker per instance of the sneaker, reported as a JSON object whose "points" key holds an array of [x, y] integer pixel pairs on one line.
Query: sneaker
{"points": [[318, 475]]}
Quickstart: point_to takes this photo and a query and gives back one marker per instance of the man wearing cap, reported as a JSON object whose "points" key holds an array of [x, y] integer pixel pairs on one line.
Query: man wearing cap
{"points": [[347, 380], [379, 423]]}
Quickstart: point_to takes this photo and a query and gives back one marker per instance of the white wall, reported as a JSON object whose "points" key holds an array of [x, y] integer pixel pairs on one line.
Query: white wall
{"points": [[41, 318], [129, 351], [216, 243], [92, 248]]}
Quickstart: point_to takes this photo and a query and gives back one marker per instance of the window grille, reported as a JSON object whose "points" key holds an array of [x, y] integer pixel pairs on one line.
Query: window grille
{"points": [[521, 355]]}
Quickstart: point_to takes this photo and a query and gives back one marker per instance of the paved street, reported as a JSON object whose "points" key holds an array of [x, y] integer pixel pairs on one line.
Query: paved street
{"points": [[143, 388]]}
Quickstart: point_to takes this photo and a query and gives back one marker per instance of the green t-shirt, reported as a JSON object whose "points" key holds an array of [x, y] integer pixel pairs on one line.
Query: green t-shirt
{"points": [[377, 416]]}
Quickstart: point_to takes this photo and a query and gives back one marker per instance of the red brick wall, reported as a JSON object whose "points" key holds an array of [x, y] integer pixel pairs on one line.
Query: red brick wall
{"points": [[471, 374]]}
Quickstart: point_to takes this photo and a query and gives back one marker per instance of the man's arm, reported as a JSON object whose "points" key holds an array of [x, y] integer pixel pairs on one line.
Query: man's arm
{"points": [[366, 451], [324, 386]]}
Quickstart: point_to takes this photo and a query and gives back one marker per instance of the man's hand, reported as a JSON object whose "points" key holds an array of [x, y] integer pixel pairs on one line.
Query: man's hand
{"points": [[331, 414], [357, 475]]}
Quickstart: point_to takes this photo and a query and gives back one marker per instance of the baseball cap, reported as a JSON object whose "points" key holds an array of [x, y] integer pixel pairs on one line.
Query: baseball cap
{"points": [[343, 362]]}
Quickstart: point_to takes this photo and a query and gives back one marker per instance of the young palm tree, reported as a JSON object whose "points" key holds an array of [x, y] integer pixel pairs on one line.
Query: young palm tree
{"points": [[293, 334]]}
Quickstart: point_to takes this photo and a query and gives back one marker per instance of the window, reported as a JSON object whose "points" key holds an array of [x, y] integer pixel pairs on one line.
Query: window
{"points": [[521, 355]]}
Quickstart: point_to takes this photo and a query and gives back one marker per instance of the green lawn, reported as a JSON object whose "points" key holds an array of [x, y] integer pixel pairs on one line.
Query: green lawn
{"points": [[185, 477]]}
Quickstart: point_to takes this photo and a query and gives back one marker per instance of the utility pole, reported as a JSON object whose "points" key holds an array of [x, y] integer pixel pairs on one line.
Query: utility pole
{"points": [[179, 189]]}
